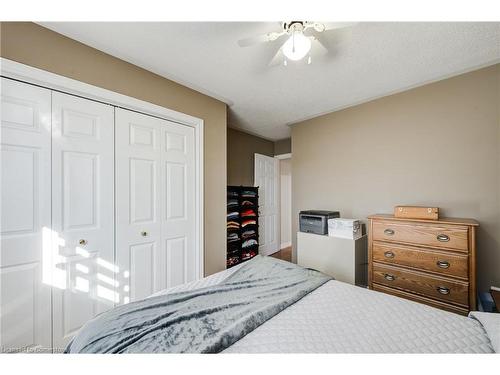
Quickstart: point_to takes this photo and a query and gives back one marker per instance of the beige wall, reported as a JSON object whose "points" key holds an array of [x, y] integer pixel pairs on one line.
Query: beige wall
{"points": [[437, 145], [34, 45], [241, 148], [283, 146]]}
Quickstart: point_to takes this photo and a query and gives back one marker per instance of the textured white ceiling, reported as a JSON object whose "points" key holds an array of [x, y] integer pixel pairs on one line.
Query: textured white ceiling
{"points": [[369, 60]]}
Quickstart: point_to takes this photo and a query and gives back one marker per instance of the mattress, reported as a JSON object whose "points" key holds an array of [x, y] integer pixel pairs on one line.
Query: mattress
{"points": [[342, 318]]}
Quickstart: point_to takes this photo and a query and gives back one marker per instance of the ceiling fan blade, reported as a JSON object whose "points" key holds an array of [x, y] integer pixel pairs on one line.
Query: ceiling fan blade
{"points": [[329, 42], [324, 46], [277, 58], [338, 25], [263, 38]]}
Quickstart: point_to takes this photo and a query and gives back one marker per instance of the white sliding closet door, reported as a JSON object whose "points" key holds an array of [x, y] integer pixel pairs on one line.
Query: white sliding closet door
{"points": [[25, 274], [82, 212], [155, 204]]}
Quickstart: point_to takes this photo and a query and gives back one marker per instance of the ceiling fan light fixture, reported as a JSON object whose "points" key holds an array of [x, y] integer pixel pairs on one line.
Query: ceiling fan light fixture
{"points": [[297, 46]]}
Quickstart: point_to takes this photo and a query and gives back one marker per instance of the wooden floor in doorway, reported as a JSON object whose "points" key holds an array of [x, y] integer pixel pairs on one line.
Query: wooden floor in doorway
{"points": [[284, 254]]}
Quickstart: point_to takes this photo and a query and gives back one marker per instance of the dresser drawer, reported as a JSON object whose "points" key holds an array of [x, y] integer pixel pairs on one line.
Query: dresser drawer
{"points": [[441, 262], [441, 236], [428, 301], [436, 287]]}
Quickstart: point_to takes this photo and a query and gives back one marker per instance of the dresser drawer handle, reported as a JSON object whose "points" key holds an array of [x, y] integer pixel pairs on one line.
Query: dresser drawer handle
{"points": [[389, 232], [389, 254], [443, 264], [443, 238], [389, 277], [443, 290]]}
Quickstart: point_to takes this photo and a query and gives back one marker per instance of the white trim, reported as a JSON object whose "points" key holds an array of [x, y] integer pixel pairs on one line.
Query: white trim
{"points": [[283, 156], [285, 245], [28, 74]]}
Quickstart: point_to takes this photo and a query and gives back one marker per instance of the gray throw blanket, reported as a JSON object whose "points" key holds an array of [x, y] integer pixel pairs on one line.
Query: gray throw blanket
{"points": [[205, 320]]}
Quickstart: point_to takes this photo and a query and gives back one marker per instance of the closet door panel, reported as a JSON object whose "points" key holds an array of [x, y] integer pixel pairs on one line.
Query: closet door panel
{"points": [[155, 177], [138, 229], [25, 269], [178, 209], [83, 212]]}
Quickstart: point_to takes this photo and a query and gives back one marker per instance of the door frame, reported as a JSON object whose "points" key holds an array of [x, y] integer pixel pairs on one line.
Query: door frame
{"points": [[38, 77]]}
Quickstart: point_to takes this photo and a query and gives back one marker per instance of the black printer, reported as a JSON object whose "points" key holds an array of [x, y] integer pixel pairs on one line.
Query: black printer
{"points": [[316, 221]]}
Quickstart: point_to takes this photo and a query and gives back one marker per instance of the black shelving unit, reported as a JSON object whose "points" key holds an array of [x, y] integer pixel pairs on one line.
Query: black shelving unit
{"points": [[242, 224]]}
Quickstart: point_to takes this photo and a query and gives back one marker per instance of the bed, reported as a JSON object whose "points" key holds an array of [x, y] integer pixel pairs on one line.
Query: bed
{"points": [[336, 317]]}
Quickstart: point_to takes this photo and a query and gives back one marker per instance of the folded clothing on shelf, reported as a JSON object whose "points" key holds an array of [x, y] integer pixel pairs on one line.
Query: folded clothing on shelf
{"points": [[233, 249], [232, 237], [248, 213], [233, 225], [232, 202], [249, 243], [248, 254], [248, 233], [232, 193], [248, 222], [233, 215], [248, 194], [247, 203], [231, 261]]}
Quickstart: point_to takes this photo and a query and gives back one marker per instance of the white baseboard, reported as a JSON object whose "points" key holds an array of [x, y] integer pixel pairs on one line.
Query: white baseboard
{"points": [[285, 244]]}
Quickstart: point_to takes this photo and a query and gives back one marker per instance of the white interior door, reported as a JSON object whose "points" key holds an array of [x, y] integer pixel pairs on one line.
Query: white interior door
{"points": [[267, 179], [178, 218], [155, 177], [25, 308], [285, 203], [138, 185], [82, 209]]}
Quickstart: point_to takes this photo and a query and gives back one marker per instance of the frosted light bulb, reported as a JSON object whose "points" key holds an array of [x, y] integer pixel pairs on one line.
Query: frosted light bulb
{"points": [[297, 46]]}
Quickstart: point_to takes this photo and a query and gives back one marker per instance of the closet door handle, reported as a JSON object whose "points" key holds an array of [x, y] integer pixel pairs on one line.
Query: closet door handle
{"points": [[82, 242], [443, 264], [389, 254], [443, 238], [389, 232], [144, 234]]}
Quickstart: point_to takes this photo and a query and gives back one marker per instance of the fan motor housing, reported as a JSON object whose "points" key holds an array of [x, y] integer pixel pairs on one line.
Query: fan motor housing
{"points": [[292, 26]]}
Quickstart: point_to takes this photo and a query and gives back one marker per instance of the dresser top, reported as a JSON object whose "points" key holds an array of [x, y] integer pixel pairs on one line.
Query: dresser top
{"points": [[442, 220]]}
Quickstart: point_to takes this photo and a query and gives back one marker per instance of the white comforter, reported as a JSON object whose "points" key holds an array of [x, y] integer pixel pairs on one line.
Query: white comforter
{"points": [[341, 318]]}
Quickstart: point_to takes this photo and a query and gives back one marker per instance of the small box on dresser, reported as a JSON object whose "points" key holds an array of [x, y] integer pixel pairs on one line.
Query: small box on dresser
{"points": [[428, 261]]}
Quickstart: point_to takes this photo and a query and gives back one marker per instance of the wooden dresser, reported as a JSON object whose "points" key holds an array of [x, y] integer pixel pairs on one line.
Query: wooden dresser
{"points": [[428, 261]]}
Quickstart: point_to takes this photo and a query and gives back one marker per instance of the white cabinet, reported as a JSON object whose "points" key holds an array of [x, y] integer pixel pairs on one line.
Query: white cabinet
{"points": [[342, 258], [155, 212], [25, 221], [62, 211], [82, 212]]}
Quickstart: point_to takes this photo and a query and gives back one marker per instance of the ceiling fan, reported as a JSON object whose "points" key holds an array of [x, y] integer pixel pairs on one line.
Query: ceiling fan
{"points": [[300, 37]]}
